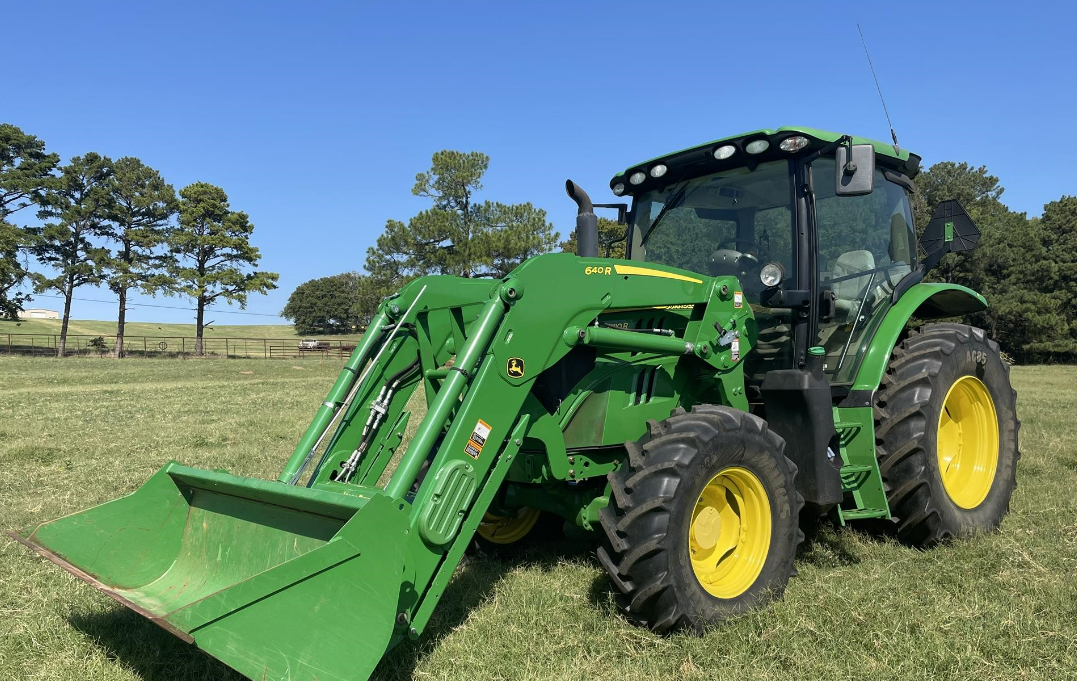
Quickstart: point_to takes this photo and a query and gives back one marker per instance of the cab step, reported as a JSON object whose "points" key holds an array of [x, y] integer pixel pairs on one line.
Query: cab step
{"points": [[861, 513]]}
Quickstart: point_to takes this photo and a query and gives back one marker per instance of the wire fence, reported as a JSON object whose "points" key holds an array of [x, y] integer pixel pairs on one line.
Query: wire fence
{"points": [[175, 347]]}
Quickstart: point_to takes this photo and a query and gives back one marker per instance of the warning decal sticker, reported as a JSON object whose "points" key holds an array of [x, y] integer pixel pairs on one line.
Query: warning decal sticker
{"points": [[477, 440], [738, 299]]}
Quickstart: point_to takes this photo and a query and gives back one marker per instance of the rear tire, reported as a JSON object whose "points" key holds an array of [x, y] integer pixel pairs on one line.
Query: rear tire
{"points": [[706, 496], [947, 434]]}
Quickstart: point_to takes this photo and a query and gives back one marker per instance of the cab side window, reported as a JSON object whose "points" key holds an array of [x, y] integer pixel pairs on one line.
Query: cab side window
{"points": [[866, 244]]}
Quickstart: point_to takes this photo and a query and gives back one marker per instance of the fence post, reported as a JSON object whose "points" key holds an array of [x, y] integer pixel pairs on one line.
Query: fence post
{"points": [[265, 349]]}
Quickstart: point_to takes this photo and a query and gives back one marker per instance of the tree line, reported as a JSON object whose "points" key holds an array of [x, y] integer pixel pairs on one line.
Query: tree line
{"points": [[1026, 267], [119, 224]]}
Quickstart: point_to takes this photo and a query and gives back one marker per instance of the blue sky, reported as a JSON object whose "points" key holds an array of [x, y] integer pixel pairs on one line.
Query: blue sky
{"points": [[315, 117]]}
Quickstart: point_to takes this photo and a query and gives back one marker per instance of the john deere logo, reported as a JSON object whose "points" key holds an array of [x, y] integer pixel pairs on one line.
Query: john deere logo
{"points": [[515, 367]]}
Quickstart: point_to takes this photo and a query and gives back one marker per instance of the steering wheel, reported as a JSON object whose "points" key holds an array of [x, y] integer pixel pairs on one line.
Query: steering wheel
{"points": [[753, 259]]}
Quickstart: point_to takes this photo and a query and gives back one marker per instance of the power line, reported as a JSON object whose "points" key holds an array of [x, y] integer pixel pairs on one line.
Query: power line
{"points": [[215, 310]]}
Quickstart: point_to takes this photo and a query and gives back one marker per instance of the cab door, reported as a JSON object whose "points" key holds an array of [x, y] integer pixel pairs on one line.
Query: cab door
{"points": [[864, 246]]}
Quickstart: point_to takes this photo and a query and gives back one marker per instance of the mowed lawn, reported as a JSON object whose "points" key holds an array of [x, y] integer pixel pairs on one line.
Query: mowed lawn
{"points": [[79, 432]]}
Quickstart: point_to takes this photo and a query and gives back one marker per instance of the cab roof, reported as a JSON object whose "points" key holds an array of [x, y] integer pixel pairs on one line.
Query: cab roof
{"points": [[700, 160]]}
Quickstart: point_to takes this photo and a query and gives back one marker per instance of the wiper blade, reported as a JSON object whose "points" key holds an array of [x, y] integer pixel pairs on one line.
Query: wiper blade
{"points": [[675, 199]]}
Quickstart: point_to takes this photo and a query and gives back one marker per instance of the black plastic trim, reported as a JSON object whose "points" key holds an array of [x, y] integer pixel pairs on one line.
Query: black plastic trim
{"points": [[900, 179], [907, 282], [858, 398]]}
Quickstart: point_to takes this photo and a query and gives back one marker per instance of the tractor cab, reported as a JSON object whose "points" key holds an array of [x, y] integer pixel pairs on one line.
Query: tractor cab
{"points": [[817, 227]]}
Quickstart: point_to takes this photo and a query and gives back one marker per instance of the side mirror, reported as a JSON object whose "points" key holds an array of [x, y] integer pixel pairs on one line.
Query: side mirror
{"points": [[622, 211], [854, 170], [951, 230]]}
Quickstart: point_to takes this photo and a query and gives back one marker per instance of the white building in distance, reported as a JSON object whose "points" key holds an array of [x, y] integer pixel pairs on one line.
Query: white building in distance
{"points": [[39, 313]]}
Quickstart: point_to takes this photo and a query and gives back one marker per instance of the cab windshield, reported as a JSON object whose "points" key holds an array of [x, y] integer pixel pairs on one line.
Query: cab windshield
{"points": [[728, 223], [735, 221]]}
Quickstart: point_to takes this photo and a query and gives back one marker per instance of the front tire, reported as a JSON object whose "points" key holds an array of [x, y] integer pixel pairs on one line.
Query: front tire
{"points": [[703, 520], [947, 434]]}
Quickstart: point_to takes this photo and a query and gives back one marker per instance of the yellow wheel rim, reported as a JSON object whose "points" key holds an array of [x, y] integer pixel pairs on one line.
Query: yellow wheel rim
{"points": [[968, 442], [500, 529], [729, 537]]}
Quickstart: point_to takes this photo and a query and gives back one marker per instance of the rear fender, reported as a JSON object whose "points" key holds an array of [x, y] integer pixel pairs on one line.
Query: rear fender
{"points": [[923, 301]]}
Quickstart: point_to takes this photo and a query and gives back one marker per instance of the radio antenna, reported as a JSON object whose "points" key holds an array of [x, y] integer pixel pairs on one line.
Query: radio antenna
{"points": [[868, 55]]}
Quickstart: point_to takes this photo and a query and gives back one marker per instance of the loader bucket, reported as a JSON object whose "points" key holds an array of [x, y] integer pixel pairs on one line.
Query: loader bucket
{"points": [[276, 581]]}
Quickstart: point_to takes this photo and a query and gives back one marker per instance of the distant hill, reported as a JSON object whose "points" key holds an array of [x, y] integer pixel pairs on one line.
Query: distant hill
{"points": [[106, 329]]}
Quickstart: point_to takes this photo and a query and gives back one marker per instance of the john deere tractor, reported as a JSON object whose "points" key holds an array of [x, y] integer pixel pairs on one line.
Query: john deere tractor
{"points": [[748, 366]]}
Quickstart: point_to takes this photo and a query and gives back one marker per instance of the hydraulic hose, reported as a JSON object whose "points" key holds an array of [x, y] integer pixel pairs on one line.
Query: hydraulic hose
{"points": [[333, 407], [378, 409], [330, 408]]}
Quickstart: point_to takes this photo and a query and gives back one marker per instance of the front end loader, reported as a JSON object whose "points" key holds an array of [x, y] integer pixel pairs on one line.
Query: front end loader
{"points": [[747, 367]]}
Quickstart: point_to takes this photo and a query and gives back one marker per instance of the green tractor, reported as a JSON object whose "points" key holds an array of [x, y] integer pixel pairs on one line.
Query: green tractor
{"points": [[747, 367]]}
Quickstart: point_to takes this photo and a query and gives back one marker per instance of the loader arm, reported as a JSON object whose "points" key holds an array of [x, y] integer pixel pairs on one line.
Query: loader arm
{"points": [[318, 574], [512, 337]]}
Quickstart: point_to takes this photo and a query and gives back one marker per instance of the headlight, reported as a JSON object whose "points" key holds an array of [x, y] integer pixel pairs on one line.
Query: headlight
{"points": [[793, 144], [725, 151], [771, 274], [658, 171], [757, 147], [619, 188], [637, 177]]}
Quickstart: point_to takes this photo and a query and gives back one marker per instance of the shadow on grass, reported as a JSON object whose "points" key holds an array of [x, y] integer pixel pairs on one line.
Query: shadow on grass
{"points": [[474, 582], [828, 546], [155, 655], [825, 546], [148, 650]]}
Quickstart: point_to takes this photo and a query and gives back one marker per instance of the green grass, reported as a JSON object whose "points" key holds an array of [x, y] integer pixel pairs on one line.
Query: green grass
{"points": [[77, 433], [108, 328]]}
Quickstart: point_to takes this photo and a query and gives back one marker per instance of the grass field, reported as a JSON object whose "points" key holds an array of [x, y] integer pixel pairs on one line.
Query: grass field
{"points": [[79, 432], [108, 328]]}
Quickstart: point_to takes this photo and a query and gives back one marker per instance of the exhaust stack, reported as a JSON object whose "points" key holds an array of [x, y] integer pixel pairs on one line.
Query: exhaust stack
{"points": [[586, 222]]}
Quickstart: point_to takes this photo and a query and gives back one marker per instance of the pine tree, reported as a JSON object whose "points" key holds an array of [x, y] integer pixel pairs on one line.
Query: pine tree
{"points": [[79, 202], [212, 253], [141, 207]]}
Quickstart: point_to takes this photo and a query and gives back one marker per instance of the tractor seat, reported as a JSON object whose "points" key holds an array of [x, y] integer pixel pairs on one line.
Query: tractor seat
{"points": [[847, 294]]}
